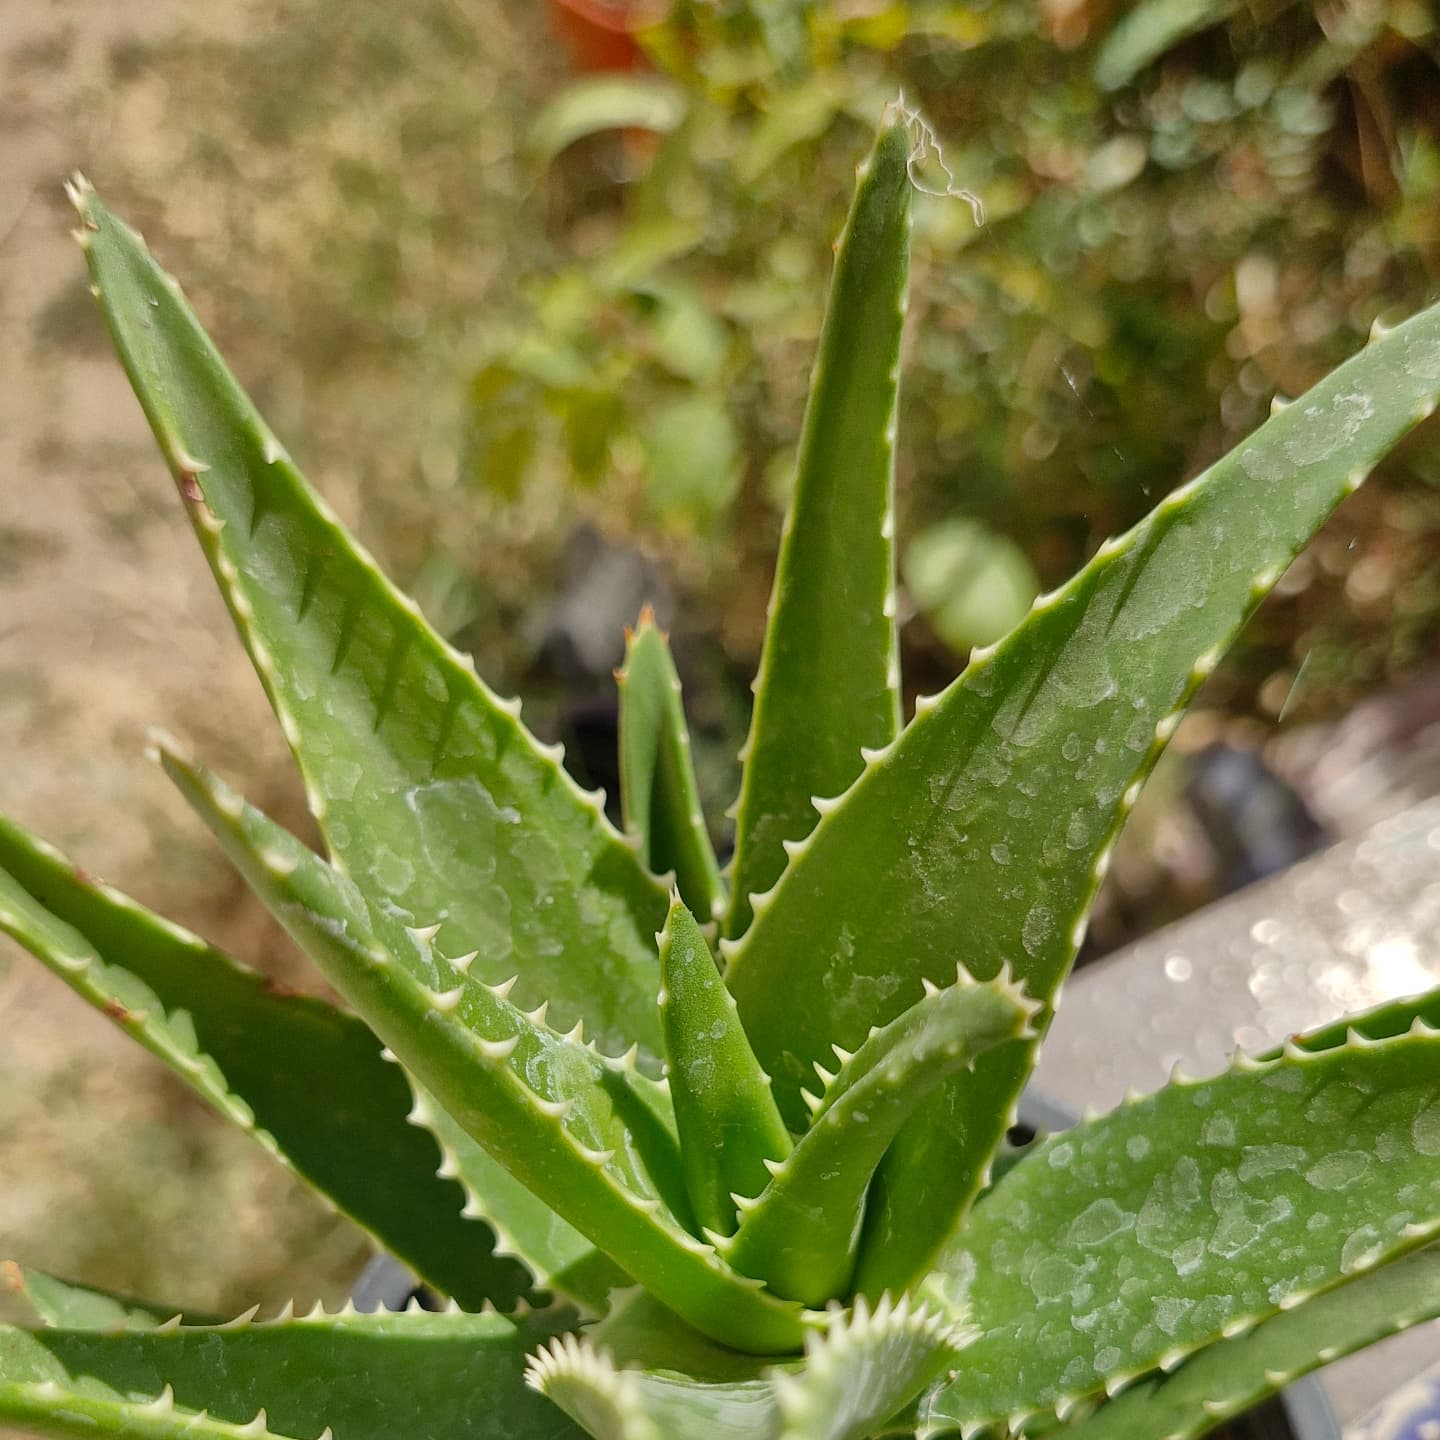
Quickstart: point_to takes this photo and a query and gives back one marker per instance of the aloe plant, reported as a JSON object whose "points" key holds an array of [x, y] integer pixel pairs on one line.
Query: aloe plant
{"points": [[758, 1199]]}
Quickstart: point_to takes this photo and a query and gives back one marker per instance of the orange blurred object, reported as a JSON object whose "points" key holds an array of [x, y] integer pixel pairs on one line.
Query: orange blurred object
{"points": [[600, 34]]}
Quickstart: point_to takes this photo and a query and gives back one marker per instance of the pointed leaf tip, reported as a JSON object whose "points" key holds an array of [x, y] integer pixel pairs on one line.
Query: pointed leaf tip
{"points": [[828, 678], [404, 751]]}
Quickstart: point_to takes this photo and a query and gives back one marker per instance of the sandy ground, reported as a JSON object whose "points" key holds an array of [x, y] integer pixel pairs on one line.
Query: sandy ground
{"points": [[109, 1170], [111, 1173]]}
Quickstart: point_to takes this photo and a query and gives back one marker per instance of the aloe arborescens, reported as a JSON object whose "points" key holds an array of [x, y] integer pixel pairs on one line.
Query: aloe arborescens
{"points": [[762, 1206]]}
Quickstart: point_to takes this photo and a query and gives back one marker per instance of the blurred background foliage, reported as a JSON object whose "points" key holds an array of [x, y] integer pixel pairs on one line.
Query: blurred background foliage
{"points": [[532, 291], [1189, 206]]}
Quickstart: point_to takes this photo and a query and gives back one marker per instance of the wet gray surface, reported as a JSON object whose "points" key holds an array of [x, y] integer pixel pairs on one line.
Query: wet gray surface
{"points": [[1355, 926]]}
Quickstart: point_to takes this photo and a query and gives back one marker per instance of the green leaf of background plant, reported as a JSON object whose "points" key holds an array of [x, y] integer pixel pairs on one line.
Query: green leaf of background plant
{"points": [[659, 796], [693, 459], [985, 831], [1136, 1238], [598, 103], [382, 1375], [829, 680], [305, 1079], [429, 792], [591, 1136], [972, 584], [1233, 1376], [1144, 33]]}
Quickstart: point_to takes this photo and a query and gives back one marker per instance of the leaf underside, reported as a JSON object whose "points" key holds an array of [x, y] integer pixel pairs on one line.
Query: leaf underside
{"points": [[829, 679], [429, 791], [984, 832], [304, 1078], [1198, 1212]]}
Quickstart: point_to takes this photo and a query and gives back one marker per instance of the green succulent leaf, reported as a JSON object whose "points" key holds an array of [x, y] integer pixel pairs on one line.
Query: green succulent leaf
{"points": [[60, 1304], [1137, 1238], [728, 1125], [658, 794], [554, 1252], [643, 1335], [1381, 1022], [985, 830], [589, 1135], [1235, 1375], [305, 1079], [429, 791], [363, 1376], [801, 1234], [829, 680]]}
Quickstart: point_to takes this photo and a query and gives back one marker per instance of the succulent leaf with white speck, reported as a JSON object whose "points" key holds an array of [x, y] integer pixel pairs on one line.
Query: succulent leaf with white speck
{"points": [[1232, 1376], [753, 1241], [1197, 1212]]}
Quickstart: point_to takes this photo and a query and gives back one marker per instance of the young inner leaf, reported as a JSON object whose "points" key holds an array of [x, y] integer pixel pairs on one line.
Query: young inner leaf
{"points": [[727, 1120], [659, 797], [800, 1236]]}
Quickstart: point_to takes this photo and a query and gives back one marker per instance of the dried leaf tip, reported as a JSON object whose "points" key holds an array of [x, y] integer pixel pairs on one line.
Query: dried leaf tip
{"points": [[161, 745], [78, 191]]}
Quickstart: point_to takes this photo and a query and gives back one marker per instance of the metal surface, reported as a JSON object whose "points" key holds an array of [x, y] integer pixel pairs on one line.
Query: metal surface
{"points": [[1351, 928]]}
